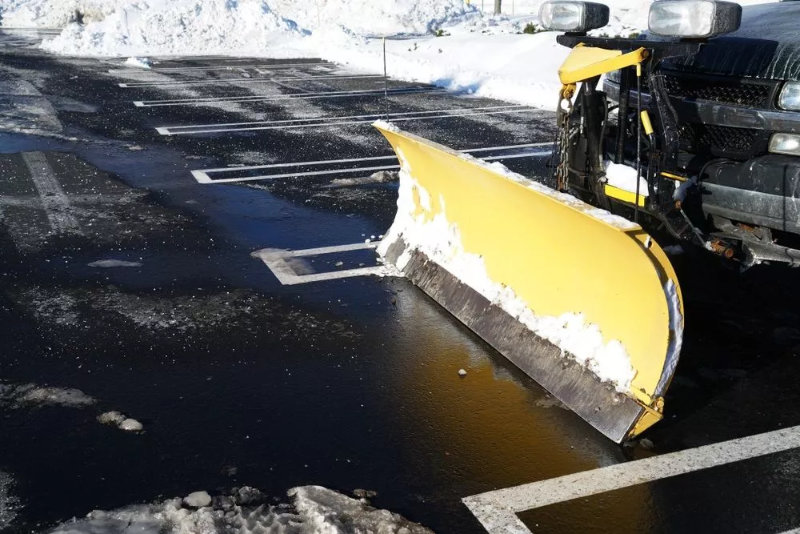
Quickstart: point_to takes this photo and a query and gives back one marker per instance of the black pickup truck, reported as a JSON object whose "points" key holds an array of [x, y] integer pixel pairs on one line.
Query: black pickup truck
{"points": [[737, 104]]}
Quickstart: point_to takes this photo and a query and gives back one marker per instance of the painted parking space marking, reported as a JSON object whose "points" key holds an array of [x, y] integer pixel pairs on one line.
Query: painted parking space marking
{"points": [[199, 101], [54, 200], [211, 81], [323, 122], [269, 66], [277, 262], [497, 510], [299, 169]]}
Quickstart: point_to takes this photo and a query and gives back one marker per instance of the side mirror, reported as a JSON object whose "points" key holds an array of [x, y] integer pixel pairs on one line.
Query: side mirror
{"points": [[693, 19], [573, 17]]}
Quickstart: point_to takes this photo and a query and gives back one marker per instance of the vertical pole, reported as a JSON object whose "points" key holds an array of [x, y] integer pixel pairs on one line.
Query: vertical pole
{"points": [[385, 81], [498, 6]]}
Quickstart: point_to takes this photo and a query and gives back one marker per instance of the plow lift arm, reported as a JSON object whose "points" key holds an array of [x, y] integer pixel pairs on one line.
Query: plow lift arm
{"points": [[584, 302]]}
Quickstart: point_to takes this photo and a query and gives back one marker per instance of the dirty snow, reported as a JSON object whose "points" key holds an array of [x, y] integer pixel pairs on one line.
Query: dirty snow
{"points": [[314, 510], [32, 395], [441, 241]]}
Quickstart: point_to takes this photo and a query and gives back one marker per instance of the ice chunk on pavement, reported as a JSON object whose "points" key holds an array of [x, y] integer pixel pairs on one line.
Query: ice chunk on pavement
{"points": [[197, 499], [140, 62], [330, 511], [111, 418], [131, 425], [120, 420]]}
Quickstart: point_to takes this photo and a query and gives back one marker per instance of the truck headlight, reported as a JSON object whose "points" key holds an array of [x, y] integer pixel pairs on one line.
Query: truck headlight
{"points": [[577, 17], [790, 96], [698, 19], [784, 143]]}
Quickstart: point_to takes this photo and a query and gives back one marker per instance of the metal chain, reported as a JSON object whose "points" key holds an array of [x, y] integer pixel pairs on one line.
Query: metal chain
{"points": [[562, 141]]}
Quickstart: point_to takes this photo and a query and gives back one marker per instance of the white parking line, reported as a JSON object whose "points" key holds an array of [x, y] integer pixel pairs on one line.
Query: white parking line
{"points": [[212, 81], [496, 510], [275, 260], [323, 122], [300, 96], [54, 200], [203, 176], [246, 66]]}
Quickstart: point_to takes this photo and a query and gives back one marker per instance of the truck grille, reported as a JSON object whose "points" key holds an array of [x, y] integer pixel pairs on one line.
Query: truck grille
{"points": [[740, 92], [721, 140]]}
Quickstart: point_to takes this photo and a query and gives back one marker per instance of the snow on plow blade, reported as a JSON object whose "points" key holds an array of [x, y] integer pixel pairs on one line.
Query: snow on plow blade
{"points": [[584, 302]]}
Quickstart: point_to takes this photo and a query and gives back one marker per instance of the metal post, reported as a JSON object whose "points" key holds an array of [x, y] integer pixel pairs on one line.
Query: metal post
{"points": [[385, 81]]}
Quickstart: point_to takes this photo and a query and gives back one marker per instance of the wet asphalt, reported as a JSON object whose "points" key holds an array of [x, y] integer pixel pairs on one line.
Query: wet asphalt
{"points": [[349, 383]]}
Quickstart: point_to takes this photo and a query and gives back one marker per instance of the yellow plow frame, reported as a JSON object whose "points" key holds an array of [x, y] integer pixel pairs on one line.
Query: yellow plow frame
{"points": [[559, 257]]}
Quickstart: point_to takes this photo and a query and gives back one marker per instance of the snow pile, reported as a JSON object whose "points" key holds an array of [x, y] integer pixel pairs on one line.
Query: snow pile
{"points": [[441, 241], [54, 13], [159, 27], [315, 510], [376, 17]]}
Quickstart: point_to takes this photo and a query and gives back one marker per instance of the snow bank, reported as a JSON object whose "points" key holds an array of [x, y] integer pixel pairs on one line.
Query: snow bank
{"points": [[54, 14], [314, 510], [158, 27], [476, 53]]}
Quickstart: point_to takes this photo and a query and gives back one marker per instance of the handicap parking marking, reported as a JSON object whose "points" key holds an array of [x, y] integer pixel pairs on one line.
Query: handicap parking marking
{"points": [[351, 120], [353, 165], [199, 101], [276, 261], [497, 510], [211, 81]]}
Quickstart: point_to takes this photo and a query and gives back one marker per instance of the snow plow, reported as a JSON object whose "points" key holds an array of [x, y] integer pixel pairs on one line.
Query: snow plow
{"points": [[557, 273]]}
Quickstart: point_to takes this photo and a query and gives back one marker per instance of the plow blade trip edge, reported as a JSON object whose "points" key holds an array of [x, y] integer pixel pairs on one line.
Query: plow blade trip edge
{"points": [[510, 259]]}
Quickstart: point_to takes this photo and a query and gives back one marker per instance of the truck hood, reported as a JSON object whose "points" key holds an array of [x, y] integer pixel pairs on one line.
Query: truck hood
{"points": [[767, 45]]}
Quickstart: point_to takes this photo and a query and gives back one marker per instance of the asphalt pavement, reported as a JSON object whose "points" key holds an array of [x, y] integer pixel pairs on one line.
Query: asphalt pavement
{"points": [[134, 203]]}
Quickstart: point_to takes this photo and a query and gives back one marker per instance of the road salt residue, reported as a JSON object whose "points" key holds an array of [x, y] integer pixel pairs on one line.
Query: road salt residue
{"points": [[109, 264], [9, 504]]}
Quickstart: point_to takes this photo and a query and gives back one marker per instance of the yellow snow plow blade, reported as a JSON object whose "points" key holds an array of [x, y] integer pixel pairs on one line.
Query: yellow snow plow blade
{"points": [[585, 302]]}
